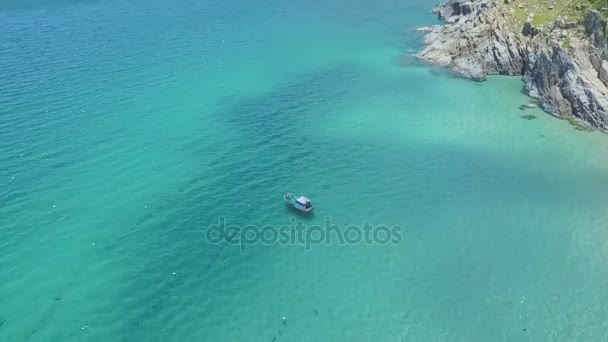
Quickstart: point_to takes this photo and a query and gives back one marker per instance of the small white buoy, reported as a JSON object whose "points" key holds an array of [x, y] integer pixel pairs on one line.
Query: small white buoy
{"points": [[174, 273], [93, 243], [54, 206]]}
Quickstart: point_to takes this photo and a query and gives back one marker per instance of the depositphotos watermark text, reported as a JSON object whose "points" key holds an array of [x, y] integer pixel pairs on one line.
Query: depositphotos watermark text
{"points": [[298, 234]]}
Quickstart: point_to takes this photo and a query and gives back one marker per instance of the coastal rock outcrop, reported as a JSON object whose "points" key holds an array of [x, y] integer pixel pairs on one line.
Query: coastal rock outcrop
{"points": [[473, 44], [567, 84], [565, 69]]}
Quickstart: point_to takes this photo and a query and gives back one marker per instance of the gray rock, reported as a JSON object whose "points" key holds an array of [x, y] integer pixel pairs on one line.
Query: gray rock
{"points": [[603, 72], [541, 30], [466, 8], [456, 8], [559, 22], [592, 22], [444, 12], [533, 93], [595, 59]]}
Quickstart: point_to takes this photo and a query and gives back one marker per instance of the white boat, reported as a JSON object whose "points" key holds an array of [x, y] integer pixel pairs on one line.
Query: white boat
{"points": [[301, 203]]}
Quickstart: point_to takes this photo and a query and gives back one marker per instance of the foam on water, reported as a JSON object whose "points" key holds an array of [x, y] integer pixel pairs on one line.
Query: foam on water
{"points": [[128, 128]]}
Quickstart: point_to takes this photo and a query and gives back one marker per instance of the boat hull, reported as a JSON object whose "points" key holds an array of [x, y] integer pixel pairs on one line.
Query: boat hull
{"points": [[291, 202], [299, 209]]}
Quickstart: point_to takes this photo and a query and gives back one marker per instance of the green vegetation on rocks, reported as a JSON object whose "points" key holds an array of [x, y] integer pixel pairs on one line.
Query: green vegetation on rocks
{"points": [[544, 12]]}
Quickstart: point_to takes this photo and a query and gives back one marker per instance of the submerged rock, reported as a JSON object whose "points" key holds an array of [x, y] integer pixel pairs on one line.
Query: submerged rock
{"points": [[528, 106]]}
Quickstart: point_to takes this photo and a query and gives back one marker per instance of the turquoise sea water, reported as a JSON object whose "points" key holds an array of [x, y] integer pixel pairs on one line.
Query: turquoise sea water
{"points": [[129, 127]]}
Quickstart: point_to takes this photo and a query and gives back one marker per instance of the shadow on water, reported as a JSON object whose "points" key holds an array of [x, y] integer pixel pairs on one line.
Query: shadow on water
{"points": [[264, 155], [262, 160]]}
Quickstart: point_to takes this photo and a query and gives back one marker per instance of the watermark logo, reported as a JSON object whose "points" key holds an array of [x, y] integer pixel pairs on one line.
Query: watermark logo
{"points": [[298, 234]]}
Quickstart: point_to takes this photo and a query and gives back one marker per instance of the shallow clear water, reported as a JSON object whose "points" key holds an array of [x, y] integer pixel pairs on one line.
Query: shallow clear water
{"points": [[128, 128]]}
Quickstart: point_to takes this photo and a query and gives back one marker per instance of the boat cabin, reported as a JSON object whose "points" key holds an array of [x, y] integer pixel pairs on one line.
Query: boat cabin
{"points": [[304, 202]]}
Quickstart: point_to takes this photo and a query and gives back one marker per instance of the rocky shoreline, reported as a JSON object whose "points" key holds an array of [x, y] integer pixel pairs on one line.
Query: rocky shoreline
{"points": [[562, 63]]}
